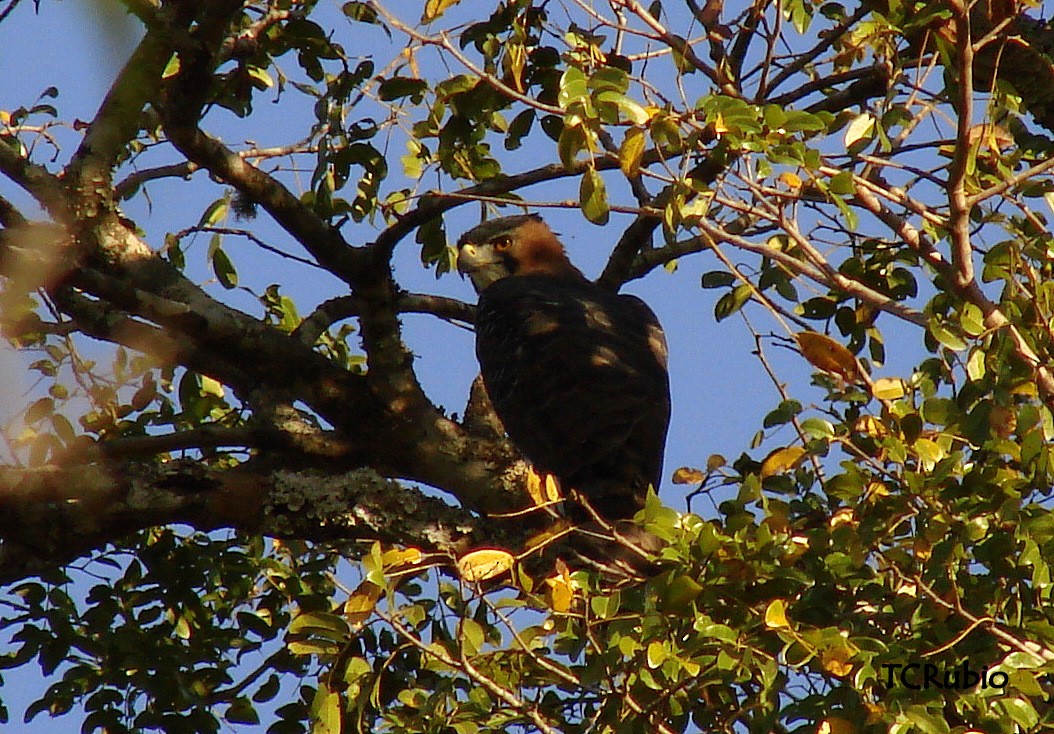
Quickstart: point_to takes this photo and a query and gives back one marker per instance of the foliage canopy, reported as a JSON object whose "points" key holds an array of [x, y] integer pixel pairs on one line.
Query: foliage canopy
{"points": [[855, 173]]}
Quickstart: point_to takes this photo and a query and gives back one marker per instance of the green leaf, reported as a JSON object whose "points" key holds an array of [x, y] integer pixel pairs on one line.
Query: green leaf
{"points": [[573, 87], [593, 197], [326, 712], [972, 320], [472, 636], [718, 279], [817, 428], [215, 212], [242, 711], [732, 301], [224, 269], [263, 79], [944, 335], [398, 87], [320, 624]]}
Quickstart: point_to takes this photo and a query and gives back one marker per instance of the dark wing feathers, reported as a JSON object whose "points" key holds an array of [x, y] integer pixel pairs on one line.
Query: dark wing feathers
{"points": [[578, 376]]}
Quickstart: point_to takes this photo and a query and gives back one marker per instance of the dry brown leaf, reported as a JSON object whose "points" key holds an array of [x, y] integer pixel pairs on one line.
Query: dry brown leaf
{"points": [[688, 475]]}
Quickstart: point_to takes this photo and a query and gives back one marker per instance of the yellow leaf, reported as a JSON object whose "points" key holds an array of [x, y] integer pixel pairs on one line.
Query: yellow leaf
{"points": [[483, 564], [401, 557], [826, 354], [552, 489], [781, 460], [889, 388], [871, 426], [875, 490], [5, 117], [907, 588], [435, 8], [860, 128], [835, 725], [516, 59], [327, 711], [836, 662], [776, 615], [172, 68], [561, 591], [719, 125], [843, 516], [631, 152], [1025, 389], [362, 602], [656, 654], [542, 488], [688, 475], [790, 179]]}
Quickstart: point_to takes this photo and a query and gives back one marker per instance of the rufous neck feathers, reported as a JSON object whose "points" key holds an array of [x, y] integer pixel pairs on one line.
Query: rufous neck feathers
{"points": [[539, 252]]}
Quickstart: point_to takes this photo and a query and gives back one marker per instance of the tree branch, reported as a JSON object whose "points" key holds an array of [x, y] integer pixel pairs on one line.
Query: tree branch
{"points": [[53, 515]]}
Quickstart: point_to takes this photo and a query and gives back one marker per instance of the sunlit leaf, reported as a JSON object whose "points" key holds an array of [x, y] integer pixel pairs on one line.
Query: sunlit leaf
{"points": [[483, 564], [560, 589], [632, 151], [835, 725], [543, 488], [782, 460], [360, 605], [326, 712], [435, 9], [826, 354], [776, 615], [889, 388], [593, 197], [860, 128]]}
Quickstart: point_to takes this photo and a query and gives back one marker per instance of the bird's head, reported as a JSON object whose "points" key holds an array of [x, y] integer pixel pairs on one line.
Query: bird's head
{"points": [[512, 246]]}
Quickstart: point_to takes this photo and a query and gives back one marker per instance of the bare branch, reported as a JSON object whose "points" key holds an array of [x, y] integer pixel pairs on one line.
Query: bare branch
{"points": [[346, 307], [959, 217], [118, 118]]}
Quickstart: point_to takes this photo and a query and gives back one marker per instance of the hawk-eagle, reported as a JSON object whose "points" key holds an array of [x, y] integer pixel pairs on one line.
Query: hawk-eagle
{"points": [[576, 373]]}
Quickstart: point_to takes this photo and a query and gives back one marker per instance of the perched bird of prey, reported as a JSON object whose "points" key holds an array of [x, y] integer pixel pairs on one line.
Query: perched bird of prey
{"points": [[576, 373]]}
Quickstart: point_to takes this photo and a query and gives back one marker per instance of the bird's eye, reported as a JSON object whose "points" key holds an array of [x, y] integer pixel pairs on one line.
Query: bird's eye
{"points": [[502, 244]]}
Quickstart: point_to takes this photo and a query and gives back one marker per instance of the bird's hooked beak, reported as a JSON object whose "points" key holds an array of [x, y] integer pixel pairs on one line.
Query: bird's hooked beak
{"points": [[480, 264]]}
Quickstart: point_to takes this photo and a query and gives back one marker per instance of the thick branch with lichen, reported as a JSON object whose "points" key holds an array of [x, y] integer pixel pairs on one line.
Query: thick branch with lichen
{"points": [[55, 514]]}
